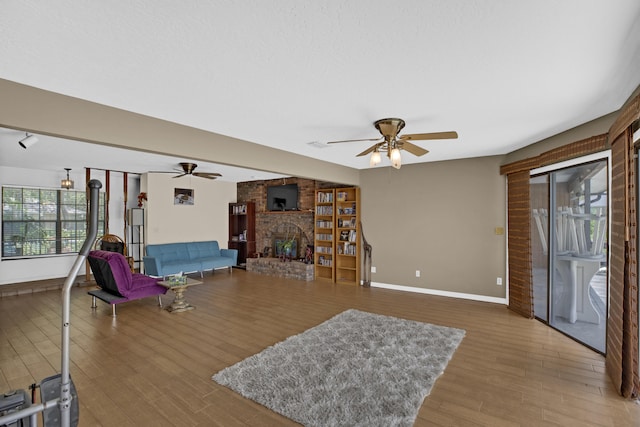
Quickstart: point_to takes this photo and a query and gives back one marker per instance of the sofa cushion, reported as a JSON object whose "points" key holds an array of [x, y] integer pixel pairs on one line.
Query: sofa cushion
{"points": [[217, 262], [168, 251], [180, 265], [223, 262], [203, 250]]}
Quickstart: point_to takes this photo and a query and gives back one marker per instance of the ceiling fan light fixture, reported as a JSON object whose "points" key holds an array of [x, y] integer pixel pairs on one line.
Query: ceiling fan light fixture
{"points": [[392, 142], [396, 158], [375, 158], [67, 183]]}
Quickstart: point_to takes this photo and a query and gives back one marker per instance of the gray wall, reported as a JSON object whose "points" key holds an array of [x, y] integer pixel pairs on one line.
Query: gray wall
{"points": [[439, 218]]}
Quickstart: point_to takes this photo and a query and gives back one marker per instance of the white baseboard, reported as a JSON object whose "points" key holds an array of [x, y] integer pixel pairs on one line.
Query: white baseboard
{"points": [[449, 294]]}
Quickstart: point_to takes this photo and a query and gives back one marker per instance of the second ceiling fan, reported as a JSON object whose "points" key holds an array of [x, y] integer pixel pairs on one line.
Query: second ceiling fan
{"points": [[188, 169], [391, 143]]}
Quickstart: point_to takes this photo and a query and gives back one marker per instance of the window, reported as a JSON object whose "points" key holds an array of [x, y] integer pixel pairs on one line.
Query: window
{"points": [[42, 222]]}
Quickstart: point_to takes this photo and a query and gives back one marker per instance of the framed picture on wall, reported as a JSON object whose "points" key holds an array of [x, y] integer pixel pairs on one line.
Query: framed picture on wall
{"points": [[183, 196]]}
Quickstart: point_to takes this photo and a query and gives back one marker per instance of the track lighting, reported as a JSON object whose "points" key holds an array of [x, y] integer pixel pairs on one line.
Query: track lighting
{"points": [[28, 141], [67, 183]]}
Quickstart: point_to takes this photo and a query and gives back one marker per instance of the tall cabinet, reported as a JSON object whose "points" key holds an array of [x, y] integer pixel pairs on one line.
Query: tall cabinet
{"points": [[337, 235], [242, 230]]}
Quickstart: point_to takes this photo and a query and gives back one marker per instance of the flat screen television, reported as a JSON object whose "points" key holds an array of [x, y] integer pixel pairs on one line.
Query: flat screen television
{"points": [[282, 197]]}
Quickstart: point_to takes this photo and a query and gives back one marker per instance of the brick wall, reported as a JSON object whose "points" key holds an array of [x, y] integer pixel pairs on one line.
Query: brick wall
{"points": [[269, 223], [256, 191]]}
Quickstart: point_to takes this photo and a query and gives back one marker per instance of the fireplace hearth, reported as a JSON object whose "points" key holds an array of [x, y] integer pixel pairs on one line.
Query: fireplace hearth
{"points": [[274, 267]]}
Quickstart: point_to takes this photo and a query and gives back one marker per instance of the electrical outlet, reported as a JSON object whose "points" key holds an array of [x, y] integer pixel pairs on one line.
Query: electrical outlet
{"points": [[499, 281], [373, 269], [417, 273]]}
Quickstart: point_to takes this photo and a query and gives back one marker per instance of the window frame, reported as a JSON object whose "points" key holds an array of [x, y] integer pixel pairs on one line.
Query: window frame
{"points": [[62, 223]]}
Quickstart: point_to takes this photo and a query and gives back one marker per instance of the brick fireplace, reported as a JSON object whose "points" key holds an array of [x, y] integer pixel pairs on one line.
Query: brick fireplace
{"points": [[273, 226]]}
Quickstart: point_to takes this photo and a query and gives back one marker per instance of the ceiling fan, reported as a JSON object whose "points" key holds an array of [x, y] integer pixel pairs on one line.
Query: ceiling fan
{"points": [[392, 143], [188, 169]]}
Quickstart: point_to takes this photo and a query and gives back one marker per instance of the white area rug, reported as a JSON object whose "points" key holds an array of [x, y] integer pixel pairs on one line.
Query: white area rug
{"points": [[355, 369]]}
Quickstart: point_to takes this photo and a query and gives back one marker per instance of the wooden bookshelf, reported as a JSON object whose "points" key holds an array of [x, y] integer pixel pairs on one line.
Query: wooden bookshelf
{"points": [[324, 235], [337, 235], [347, 232], [242, 230]]}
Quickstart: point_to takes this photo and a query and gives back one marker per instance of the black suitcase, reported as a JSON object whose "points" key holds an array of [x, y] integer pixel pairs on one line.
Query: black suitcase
{"points": [[13, 401]]}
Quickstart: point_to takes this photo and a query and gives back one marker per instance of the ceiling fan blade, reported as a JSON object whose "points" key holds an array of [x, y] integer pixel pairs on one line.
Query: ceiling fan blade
{"points": [[353, 140], [432, 135], [208, 175], [368, 150], [411, 148], [178, 176]]}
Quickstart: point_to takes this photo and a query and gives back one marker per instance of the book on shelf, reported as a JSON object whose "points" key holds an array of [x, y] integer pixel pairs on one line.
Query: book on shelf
{"points": [[348, 236], [324, 197], [324, 210], [347, 223], [342, 196], [239, 209], [347, 211], [324, 224], [347, 249], [324, 261]]}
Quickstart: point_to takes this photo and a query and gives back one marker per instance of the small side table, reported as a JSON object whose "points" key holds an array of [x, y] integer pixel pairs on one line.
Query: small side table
{"points": [[179, 304]]}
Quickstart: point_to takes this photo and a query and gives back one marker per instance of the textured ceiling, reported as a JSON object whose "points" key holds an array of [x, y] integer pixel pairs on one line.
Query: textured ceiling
{"points": [[286, 73]]}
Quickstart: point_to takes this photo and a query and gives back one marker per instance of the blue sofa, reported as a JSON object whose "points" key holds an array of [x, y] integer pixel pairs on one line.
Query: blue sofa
{"points": [[165, 259]]}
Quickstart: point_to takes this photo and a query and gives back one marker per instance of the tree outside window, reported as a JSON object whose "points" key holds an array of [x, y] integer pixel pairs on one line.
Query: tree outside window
{"points": [[41, 222]]}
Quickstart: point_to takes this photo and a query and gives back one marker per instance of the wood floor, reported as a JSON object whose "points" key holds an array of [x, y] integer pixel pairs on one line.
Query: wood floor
{"points": [[151, 367]]}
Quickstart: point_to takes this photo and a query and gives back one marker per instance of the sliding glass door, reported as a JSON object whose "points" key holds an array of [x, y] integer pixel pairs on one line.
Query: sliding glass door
{"points": [[569, 256], [539, 193]]}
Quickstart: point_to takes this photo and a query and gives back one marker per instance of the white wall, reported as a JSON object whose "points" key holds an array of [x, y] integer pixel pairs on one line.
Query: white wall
{"points": [[25, 270], [206, 219]]}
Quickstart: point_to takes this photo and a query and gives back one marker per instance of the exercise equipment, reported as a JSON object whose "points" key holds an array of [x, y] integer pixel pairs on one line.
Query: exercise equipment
{"points": [[58, 395]]}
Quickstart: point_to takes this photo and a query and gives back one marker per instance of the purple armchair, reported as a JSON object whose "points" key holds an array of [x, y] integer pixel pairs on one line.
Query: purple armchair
{"points": [[117, 283]]}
